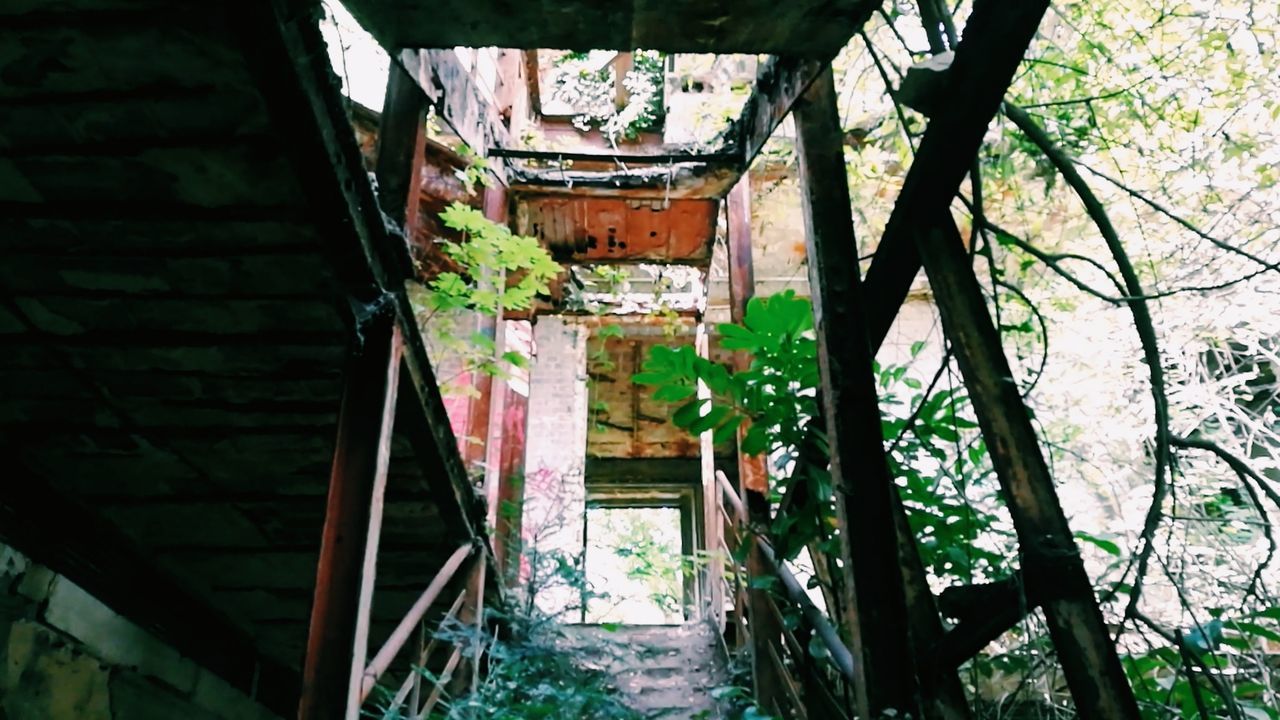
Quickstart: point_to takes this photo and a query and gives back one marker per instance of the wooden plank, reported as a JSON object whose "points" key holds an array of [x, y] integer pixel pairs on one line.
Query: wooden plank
{"points": [[86, 271], [874, 607], [742, 279], [344, 578], [220, 237], [1048, 549]]}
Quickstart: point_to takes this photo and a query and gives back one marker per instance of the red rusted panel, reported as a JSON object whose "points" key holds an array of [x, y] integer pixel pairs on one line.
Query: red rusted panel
{"points": [[598, 229]]}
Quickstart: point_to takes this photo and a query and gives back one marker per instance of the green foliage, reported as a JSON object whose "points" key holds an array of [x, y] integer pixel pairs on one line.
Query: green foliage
{"points": [[489, 249], [591, 92], [945, 481], [494, 270]]}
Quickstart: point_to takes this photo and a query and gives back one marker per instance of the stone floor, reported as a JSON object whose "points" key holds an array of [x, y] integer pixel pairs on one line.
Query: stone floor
{"points": [[667, 672]]}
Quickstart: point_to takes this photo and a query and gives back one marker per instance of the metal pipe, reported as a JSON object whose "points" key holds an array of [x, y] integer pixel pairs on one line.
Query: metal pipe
{"points": [[732, 494], [635, 158], [840, 654], [378, 666]]}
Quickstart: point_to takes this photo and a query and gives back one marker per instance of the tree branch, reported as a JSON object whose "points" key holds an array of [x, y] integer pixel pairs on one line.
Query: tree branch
{"points": [[1142, 322]]}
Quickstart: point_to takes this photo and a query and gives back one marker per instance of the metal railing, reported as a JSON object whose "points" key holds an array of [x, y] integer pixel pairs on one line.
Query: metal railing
{"points": [[808, 662], [408, 701]]}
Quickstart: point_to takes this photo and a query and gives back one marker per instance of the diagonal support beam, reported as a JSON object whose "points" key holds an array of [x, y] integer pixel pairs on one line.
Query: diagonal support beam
{"points": [[1049, 554], [922, 229], [995, 39]]}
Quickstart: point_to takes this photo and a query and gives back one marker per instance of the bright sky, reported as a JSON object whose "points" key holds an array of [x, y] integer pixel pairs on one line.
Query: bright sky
{"points": [[356, 57]]}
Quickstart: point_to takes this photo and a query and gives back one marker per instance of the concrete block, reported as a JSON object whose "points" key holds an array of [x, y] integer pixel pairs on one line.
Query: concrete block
{"points": [[114, 639], [224, 701], [46, 678], [134, 697]]}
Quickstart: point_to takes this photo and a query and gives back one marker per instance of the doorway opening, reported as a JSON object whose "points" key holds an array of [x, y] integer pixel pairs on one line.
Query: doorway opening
{"points": [[635, 560]]}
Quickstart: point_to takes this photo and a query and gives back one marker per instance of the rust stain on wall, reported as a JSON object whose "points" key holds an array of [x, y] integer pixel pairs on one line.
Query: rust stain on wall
{"points": [[599, 229]]}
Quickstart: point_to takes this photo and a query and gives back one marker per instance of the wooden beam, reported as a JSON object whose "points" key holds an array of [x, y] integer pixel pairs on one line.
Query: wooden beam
{"points": [[992, 47], [509, 450], [874, 611], [780, 81], [742, 278], [337, 640], [1049, 554], [480, 407], [402, 140], [79, 543], [765, 630], [533, 80], [459, 102]]}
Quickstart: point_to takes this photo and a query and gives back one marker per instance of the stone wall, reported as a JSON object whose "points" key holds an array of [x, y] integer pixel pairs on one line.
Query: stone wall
{"points": [[66, 656]]}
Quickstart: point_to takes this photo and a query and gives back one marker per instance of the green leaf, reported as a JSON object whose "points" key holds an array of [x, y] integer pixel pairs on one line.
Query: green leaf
{"points": [[674, 393], [712, 419], [1106, 545], [817, 648], [1252, 628], [687, 414], [726, 432]]}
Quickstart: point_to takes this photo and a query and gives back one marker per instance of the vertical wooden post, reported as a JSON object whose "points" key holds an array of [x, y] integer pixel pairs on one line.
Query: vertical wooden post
{"points": [[742, 282], [338, 638], [1051, 563], [471, 614], [839, 305], [763, 626], [874, 602], [402, 142], [510, 469]]}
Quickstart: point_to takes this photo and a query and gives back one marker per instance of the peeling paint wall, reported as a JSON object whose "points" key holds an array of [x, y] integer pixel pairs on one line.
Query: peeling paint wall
{"points": [[66, 656]]}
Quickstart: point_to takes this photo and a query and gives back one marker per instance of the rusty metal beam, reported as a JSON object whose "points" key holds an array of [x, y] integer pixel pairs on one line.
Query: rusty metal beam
{"points": [[874, 606], [1050, 558], [338, 636]]}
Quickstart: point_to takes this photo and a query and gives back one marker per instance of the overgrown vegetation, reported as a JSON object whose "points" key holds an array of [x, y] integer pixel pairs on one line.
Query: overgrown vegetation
{"points": [[590, 88], [946, 483], [491, 271]]}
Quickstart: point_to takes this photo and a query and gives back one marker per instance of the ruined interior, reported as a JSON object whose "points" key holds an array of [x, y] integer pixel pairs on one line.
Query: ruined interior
{"points": [[254, 468]]}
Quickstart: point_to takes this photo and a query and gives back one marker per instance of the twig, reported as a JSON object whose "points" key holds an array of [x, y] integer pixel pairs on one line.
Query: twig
{"points": [[1183, 222], [1142, 323], [1245, 474]]}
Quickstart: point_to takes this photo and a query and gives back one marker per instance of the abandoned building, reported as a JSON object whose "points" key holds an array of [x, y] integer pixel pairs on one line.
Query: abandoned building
{"points": [[277, 446]]}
